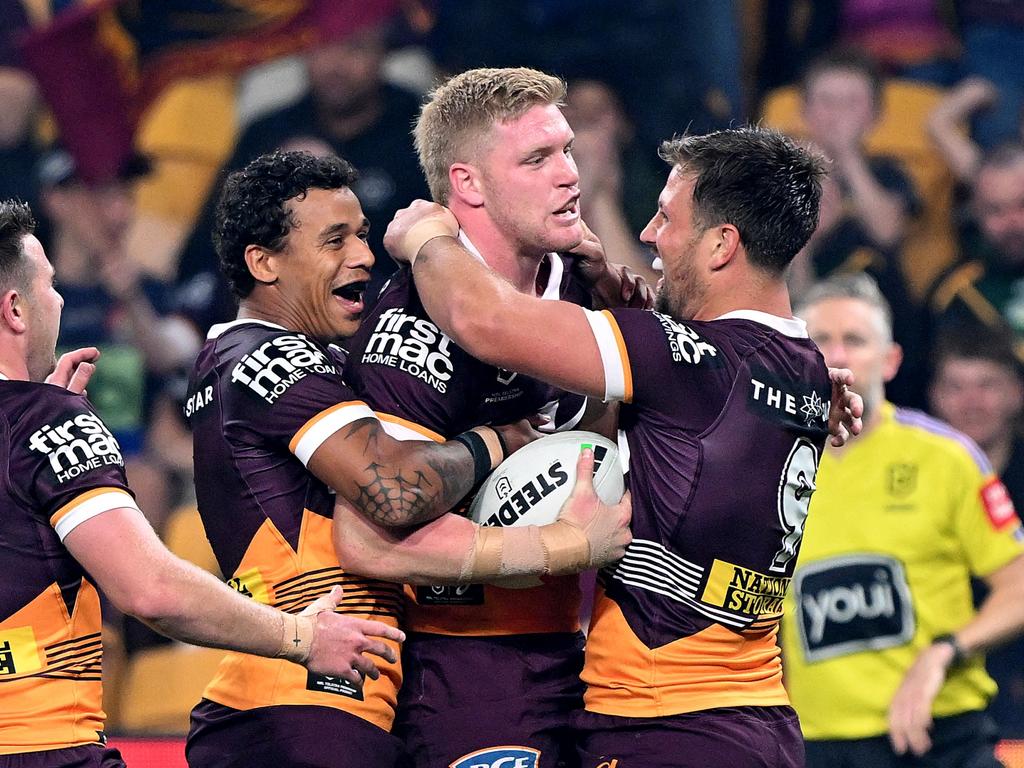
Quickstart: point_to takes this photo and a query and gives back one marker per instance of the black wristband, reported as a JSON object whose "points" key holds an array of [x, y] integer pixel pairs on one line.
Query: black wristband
{"points": [[480, 453], [959, 656]]}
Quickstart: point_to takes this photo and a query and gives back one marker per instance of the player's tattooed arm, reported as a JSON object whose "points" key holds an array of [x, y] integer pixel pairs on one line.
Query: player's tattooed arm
{"points": [[406, 483]]}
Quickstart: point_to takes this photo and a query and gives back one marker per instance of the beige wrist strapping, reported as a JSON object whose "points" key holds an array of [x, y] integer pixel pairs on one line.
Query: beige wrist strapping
{"points": [[296, 637], [420, 233], [555, 549]]}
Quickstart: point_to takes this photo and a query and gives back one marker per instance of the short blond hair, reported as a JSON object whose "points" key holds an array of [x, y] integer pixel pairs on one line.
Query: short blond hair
{"points": [[460, 113]]}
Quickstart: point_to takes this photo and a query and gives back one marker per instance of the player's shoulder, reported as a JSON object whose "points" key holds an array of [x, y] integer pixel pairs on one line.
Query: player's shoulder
{"points": [[28, 402], [937, 439], [263, 357]]}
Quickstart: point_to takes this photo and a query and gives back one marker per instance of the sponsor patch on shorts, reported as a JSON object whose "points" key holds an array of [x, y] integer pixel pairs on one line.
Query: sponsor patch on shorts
{"points": [[338, 686], [499, 757]]}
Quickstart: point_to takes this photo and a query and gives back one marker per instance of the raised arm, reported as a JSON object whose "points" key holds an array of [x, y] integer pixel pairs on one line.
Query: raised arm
{"points": [[486, 315]]}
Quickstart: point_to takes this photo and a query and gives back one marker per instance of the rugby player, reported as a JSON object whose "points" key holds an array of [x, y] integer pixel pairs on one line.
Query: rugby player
{"points": [[71, 526], [725, 412], [283, 448], [884, 650], [497, 150]]}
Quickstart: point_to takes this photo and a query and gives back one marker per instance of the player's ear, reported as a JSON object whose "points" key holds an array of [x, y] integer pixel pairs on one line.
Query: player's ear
{"points": [[12, 310], [465, 181], [262, 264], [724, 245]]}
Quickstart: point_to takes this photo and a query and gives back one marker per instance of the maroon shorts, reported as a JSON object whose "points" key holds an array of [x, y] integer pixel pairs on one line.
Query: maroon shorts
{"points": [[737, 737], [470, 701], [298, 736], [87, 756]]}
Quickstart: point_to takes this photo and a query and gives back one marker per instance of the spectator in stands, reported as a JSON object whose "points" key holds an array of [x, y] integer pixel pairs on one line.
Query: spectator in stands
{"points": [[883, 647], [609, 160], [987, 286], [866, 201], [993, 39], [360, 117], [978, 388], [841, 103], [18, 93]]}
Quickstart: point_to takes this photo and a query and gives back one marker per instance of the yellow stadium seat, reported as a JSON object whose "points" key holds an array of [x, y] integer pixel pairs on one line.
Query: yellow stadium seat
{"points": [[162, 685], [185, 536]]}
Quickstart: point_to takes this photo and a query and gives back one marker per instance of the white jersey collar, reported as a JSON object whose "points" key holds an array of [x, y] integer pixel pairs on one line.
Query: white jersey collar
{"points": [[793, 327], [222, 328], [552, 291]]}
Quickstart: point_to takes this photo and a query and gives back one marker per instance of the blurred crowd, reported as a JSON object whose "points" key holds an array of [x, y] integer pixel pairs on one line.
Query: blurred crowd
{"points": [[917, 104]]}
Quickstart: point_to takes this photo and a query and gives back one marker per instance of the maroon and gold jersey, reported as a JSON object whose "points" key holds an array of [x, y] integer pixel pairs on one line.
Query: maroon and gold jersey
{"points": [[724, 422], [424, 386], [62, 467], [261, 400]]}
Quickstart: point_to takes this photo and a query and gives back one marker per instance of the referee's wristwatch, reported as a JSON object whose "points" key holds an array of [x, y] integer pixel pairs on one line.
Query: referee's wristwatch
{"points": [[959, 655]]}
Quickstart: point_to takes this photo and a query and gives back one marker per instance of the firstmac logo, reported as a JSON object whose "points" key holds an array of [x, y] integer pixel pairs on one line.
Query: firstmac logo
{"points": [[274, 366], [499, 757], [76, 446]]}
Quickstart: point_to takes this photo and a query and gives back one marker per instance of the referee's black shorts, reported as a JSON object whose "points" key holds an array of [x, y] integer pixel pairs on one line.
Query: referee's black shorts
{"points": [[961, 741]]}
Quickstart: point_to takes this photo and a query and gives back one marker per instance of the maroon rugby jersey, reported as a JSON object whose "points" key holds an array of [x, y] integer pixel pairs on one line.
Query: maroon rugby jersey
{"points": [[62, 467], [424, 386], [261, 400], [724, 422]]}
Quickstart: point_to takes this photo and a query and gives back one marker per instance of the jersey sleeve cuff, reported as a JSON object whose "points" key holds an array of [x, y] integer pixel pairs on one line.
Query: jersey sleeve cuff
{"points": [[87, 506], [315, 432], [618, 379]]}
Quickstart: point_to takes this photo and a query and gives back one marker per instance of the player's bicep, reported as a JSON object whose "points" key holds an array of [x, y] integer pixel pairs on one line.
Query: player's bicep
{"points": [[549, 340], [394, 483], [121, 552]]}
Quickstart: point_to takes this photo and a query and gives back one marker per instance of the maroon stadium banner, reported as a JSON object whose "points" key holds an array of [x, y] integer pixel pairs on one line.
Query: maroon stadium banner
{"points": [[100, 65]]}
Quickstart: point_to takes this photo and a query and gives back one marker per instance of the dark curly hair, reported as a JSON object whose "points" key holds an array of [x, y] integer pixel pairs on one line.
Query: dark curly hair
{"points": [[251, 209], [16, 222], [759, 181]]}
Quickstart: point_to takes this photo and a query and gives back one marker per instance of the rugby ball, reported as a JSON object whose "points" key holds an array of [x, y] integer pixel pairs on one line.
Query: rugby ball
{"points": [[530, 486]]}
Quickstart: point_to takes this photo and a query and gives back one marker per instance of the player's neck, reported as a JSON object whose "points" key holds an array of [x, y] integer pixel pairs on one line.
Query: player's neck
{"points": [[502, 255], [771, 297], [13, 366]]}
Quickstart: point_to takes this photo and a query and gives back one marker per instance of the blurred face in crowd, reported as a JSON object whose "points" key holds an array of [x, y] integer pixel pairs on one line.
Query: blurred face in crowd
{"points": [[999, 209], [528, 182], [322, 270], [96, 218], [345, 76], [671, 232], [981, 398], [43, 306], [851, 333], [19, 96], [838, 102]]}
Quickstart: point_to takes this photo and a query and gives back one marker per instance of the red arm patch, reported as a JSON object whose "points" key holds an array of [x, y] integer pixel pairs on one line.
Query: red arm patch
{"points": [[998, 504]]}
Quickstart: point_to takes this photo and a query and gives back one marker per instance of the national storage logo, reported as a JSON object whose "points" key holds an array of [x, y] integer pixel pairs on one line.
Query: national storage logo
{"points": [[76, 446], [276, 365], [744, 591]]}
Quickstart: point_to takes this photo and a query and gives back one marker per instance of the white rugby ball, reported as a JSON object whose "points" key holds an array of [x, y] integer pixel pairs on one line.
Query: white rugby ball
{"points": [[530, 486]]}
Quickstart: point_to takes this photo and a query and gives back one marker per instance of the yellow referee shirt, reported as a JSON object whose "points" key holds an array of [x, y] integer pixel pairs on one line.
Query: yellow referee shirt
{"points": [[900, 521]]}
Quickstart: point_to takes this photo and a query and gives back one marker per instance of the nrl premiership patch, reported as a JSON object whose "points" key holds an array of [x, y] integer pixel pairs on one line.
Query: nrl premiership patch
{"points": [[338, 686]]}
